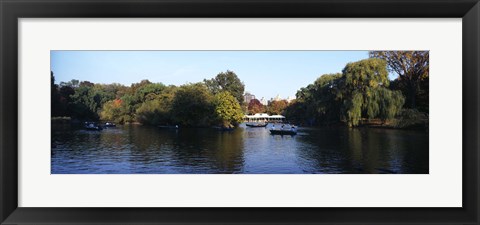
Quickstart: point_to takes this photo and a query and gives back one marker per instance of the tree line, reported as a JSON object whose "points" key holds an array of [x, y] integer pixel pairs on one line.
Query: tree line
{"points": [[213, 102], [363, 91]]}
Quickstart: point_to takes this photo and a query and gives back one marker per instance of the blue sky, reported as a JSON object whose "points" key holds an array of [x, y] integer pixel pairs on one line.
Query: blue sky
{"points": [[264, 73]]}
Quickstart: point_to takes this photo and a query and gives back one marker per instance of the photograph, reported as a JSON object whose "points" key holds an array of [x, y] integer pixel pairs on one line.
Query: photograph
{"points": [[239, 112]]}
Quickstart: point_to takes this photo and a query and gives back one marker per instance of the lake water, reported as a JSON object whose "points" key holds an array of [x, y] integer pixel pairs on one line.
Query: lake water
{"points": [[132, 149]]}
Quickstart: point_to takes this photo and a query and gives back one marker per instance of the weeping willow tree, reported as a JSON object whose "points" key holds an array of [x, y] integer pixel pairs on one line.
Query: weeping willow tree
{"points": [[353, 109], [390, 103], [365, 94]]}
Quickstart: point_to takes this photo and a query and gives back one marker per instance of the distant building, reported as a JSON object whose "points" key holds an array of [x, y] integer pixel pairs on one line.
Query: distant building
{"points": [[277, 98], [248, 97], [290, 99], [264, 101]]}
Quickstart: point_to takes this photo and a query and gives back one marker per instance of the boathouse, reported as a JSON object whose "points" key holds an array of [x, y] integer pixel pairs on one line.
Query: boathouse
{"points": [[263, 117]]}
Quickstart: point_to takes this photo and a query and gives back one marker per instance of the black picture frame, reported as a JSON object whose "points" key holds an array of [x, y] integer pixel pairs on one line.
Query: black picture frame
{"points": [[11, 10]]}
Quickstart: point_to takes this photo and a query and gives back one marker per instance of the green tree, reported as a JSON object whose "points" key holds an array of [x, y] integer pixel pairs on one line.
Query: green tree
{"points": [[317, 103], [157, 108], [83, 104], [89, 99], [61, 96], [390, 104], [193, 105], [300, 110], [363, 90], [113, 111], [227, 81], [135, 96], [322, 104], [151, 112], [55, 97], [148, 91], [296, 111], [412, 68], [354, 109], [227, 109], [129, 107], [65, 101]]}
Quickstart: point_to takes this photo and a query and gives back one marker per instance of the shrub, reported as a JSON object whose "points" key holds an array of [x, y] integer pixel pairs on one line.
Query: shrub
{"points": [[411, 118]]}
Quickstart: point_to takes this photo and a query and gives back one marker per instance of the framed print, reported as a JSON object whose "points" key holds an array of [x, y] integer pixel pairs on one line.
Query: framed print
{"points": [[319, 112]]}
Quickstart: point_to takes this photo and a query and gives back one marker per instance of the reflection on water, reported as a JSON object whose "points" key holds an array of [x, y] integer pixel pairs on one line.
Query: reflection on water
{"points": [[142, 149]]}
